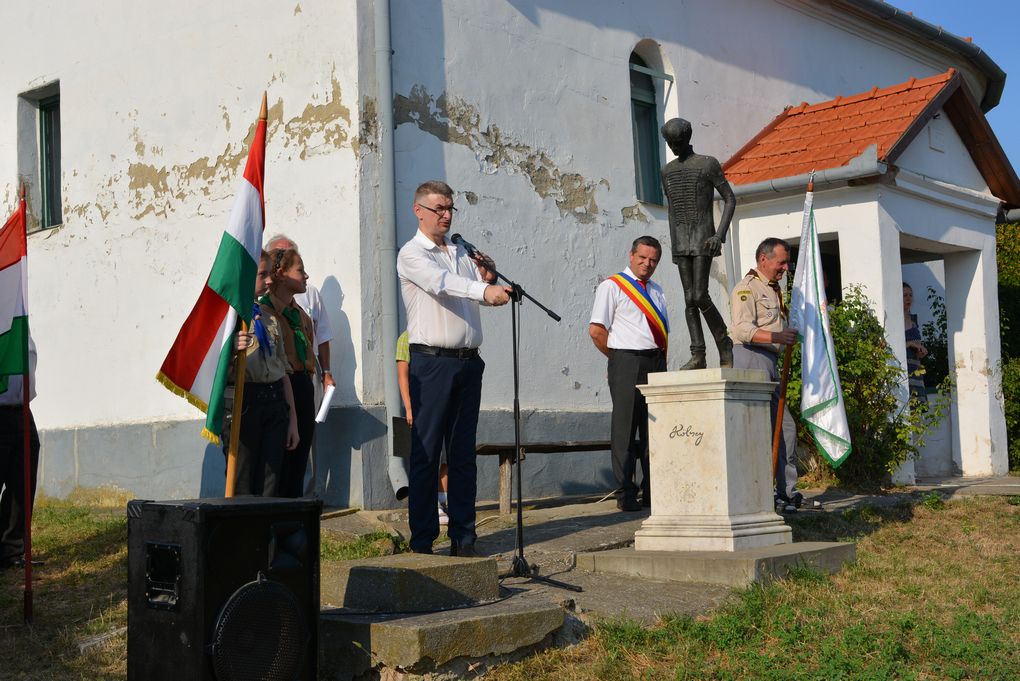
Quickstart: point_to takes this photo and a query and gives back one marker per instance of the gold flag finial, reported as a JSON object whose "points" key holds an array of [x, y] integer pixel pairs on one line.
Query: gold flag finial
{"points": [[263, 111]]}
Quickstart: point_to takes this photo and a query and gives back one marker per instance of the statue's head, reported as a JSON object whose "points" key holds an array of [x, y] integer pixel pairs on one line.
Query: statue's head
{"points": [[677, 133]]}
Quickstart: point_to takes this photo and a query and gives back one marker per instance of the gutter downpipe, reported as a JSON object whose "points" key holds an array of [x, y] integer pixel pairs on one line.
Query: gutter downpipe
{"points": [[387, 223]]}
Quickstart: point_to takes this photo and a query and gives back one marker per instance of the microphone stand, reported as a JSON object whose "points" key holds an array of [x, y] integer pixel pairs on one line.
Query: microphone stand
{"points": [[520, 567]]}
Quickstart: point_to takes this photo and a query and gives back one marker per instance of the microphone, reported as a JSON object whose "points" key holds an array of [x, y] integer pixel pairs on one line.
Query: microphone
{"points": [[468, 246]]}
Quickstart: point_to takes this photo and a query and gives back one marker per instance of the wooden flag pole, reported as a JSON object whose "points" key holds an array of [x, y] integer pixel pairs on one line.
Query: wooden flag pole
{"points": [[777, 434], [26, 428], [239, 365], [240, 359]]}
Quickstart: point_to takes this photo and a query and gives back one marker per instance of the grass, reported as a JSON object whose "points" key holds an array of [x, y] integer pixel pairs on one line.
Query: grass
{"points": [[933, 596]]}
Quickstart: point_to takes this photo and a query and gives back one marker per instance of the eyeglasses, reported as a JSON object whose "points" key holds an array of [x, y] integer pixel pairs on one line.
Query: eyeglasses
{"points": [[439, 211]]}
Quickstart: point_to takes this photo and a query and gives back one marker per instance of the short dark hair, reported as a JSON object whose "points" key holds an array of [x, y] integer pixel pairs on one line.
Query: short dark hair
{"points": [[906, 285], [768, 247], [646, 241], [433, 187]]}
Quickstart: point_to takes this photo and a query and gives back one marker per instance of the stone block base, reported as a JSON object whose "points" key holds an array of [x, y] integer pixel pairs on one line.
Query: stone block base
{"points": [[712, 533], [350, 645], [408, 582], [730, 568]]}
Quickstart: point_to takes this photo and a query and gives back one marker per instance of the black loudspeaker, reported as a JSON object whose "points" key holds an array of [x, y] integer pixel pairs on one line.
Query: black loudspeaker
{"points": [[223, 589]]}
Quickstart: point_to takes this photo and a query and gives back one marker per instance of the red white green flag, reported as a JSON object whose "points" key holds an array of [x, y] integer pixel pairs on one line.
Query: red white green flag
{"points": [[197, 364], [13, 297]]}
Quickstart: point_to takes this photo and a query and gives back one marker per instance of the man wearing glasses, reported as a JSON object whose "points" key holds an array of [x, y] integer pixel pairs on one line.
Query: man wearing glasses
{"points": [[442, 287]]}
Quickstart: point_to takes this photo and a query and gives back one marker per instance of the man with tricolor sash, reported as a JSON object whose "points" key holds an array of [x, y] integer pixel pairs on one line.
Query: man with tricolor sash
{"points": [[629, 325]]}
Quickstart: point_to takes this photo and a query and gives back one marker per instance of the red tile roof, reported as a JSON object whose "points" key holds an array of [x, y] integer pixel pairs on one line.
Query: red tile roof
{"points": [[830, 134]]}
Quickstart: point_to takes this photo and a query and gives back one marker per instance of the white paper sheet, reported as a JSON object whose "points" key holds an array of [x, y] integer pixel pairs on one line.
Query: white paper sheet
{"points": [[327, 397]]}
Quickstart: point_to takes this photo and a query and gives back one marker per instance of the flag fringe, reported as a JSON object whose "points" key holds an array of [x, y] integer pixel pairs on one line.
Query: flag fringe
{"points": [[210, 436], [181, 392]]}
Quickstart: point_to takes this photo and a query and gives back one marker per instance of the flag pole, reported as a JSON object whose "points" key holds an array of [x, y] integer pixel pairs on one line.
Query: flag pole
{"points": [[239, 366], [777, 433], [235, 420], [27, 452]]}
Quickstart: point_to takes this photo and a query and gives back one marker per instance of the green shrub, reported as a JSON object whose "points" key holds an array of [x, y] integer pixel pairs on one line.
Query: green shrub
{"points": [[936, 340], [884, 431], [1007, 250]]}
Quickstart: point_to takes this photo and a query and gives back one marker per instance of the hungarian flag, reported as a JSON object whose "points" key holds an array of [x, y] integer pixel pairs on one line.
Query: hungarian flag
{"points": [[821, 401], [197, 364], [13, 297]]}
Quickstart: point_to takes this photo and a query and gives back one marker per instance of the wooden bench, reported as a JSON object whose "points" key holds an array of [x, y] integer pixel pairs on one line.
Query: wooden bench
{"points": [[505, 451]]}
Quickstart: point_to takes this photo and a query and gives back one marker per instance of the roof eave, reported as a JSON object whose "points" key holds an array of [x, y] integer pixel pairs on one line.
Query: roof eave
{"points": [[883, 11], [865, 165]]}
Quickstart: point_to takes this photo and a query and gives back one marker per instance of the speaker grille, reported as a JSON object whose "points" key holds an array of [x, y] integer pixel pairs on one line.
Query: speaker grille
{"points": [[259, 634]]}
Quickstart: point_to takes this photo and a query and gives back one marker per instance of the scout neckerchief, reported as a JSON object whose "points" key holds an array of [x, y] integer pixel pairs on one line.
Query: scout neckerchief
{"points": [[638, 293], [774, 285], [260, 332], [293, 317]]}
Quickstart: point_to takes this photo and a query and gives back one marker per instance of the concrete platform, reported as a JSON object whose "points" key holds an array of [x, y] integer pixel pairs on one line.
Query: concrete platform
{"points": [[408, 583], [730, 568], [351, 645]]}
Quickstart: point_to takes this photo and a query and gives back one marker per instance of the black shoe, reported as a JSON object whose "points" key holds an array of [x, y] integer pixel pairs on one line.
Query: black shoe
{"points": [[628, 504], [465, 551], [646, 501], [725, 346]]}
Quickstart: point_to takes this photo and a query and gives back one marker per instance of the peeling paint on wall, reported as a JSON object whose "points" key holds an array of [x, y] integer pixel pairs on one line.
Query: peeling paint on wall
{"points": [[455, 121], [368, 129], [634, 213], [154, 189]]}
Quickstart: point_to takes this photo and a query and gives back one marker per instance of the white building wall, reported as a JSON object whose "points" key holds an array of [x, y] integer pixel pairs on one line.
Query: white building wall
{"points": [[157, 101]]}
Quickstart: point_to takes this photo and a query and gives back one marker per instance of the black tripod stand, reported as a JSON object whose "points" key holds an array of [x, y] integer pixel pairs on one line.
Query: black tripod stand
{"points": [[519, 567]]}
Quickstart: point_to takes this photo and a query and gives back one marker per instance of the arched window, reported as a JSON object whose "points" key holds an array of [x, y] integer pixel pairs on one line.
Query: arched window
{"points": [[645, 126]]}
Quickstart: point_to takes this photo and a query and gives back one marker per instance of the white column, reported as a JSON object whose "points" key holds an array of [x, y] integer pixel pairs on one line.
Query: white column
{"points": [[710, 445], [972, 309], [869, 254]]}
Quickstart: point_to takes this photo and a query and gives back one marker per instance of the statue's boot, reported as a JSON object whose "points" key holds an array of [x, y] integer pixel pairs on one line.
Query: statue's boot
{"points": [[722, 339], [697, 360]]}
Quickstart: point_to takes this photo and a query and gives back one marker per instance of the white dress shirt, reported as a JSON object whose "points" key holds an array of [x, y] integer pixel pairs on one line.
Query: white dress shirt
{"points": [[441, 292], [627, 324], [311, 302]]}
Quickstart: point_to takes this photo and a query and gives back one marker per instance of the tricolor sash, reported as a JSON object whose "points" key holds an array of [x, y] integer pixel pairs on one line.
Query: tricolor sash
{"points": [[656, 319]]}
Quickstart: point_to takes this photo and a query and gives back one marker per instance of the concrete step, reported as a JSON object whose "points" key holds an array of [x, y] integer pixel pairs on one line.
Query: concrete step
{"points": [[352, 645], [407, 583], [729, 568]]}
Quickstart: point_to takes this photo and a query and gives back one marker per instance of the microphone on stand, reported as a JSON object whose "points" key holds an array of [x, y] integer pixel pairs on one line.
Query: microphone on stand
{"points": [[473, 252]]}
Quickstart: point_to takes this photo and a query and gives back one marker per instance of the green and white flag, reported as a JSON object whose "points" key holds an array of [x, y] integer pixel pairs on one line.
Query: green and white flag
{"points": [[13, 297], [821, 400]]}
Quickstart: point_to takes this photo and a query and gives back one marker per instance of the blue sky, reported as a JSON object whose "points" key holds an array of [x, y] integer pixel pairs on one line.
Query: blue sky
{"points": [[995, 27]]}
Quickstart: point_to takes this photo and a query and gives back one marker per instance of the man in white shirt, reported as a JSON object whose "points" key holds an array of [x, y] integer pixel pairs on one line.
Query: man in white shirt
{"points": [[442, 287], [12, 463], [629, 326]]}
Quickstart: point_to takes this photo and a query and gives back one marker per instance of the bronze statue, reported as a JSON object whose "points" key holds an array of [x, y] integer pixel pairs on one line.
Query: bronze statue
{"points": [[689, 182]]}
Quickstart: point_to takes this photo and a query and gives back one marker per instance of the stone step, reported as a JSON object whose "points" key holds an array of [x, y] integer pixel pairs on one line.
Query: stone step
{"points": [[408, 583], [351, 645], [729, 568]]}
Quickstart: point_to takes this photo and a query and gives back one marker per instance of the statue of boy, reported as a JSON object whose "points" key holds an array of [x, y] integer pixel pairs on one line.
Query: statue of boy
{"points": [[689, 182]]}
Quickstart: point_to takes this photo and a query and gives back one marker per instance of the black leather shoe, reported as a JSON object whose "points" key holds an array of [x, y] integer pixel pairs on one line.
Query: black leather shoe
{"points": [[465, 551], [628, 504]]}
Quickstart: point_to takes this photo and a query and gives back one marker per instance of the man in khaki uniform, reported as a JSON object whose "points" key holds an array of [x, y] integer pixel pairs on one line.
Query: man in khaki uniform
{"points": [[759, 330]]}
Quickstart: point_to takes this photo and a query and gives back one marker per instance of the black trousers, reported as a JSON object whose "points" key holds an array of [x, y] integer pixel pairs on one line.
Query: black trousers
{"points": [[629, 427], [262, 440], [12, 480], [446, 393], [292, 483]]}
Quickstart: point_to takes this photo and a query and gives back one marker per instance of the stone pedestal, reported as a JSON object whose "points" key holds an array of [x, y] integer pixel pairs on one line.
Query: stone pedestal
{"points": [[710, 440]]}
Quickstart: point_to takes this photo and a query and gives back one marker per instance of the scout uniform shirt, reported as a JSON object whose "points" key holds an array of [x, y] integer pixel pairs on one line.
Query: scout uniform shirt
{"points": [[274, 307], [262, 367], [755, 305]]}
